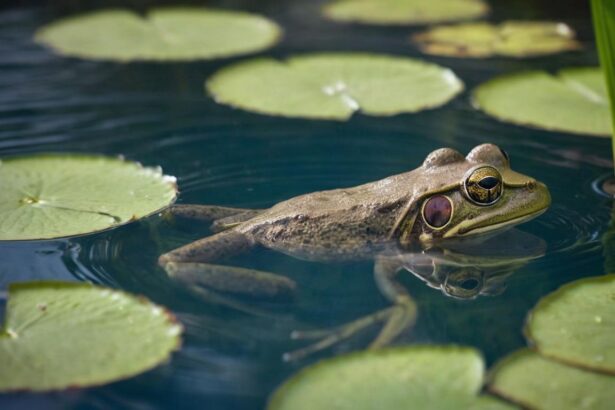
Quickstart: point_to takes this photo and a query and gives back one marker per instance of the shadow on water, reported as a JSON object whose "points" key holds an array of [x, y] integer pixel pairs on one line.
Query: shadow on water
{"points": [[158, 114]]}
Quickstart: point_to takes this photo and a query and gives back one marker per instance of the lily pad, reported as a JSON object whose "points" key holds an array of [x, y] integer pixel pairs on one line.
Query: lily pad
{"points": [[52, 196], [334, 85], [161, 34], [511, 39], [59, 335], [576, 324], [575, 100], [538, 383], [416, 377], [387, 12]]}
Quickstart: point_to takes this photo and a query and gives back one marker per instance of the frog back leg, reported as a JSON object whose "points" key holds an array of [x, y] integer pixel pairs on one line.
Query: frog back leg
{"points": [[194, 266]]}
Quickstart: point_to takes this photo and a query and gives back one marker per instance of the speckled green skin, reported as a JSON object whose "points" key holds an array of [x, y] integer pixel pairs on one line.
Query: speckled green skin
{"points": [[357, 222]]}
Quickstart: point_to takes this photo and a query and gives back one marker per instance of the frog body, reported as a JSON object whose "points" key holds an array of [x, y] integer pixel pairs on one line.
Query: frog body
{"points": [[448, 198]]}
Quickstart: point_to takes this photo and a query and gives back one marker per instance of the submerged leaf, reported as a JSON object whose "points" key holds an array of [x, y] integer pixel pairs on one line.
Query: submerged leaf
{"points": [[404, 11], [51, 196], [576, 324], [574, 100], [334, 85], [511, 39], [62, 335], [538, 383], [163, 34], [417, 377]]}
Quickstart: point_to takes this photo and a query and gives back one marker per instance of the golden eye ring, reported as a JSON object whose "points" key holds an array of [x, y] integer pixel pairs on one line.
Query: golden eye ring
{"points": [[483, 185]]}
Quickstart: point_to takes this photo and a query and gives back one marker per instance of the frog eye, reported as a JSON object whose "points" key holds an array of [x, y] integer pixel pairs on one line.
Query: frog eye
{"points": [[437, 211], [483, 186]]}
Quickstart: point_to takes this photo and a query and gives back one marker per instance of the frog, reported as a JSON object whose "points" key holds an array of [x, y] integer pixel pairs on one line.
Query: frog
{"points": [[449, 198]]}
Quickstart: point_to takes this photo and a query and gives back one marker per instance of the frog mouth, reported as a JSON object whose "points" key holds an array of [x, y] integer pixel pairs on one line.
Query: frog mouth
{"points": [[486, 227]]}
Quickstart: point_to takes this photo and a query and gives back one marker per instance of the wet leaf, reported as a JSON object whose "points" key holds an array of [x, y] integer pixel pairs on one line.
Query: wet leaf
{"points": [[59, 335], [511, 39], [162, 34], [574, 100], [404, 11], [534, 382], [51, 196], [576, 323], [334, 85], [417, 377]]}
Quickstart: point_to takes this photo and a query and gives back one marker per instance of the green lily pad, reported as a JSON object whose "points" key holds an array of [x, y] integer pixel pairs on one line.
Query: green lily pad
{"points": [[538, 383], [52, 196], [576, 324], [162, 34], [387, 12], [511, 39], [334, 85], [416, 377], [575, 100], [59, 335]]}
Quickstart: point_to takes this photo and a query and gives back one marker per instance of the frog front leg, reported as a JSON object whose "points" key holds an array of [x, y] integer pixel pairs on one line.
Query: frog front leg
{"points": [[396, 318], [194, 266]]}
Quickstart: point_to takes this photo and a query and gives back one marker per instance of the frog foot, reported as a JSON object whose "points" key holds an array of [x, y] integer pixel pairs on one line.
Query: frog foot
{"points": [[397, 318]]}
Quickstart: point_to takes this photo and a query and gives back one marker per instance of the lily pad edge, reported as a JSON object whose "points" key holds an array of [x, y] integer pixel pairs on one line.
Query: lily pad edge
{"points": [[168, 178], [533, 345], [171, 318]]}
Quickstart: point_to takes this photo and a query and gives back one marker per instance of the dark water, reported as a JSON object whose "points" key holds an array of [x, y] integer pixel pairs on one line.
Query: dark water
{"points": [[158, 114]]}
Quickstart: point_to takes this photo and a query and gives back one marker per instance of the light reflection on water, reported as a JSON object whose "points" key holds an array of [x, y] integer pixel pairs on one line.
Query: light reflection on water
{"points": [[158, 114]]}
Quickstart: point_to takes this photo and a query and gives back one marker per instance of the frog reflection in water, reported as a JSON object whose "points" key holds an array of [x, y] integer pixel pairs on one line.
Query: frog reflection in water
{"points": [[449, 197]]}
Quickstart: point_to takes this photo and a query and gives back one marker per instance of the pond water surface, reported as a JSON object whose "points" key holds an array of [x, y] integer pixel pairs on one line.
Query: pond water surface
{"points": [[158, 114]]}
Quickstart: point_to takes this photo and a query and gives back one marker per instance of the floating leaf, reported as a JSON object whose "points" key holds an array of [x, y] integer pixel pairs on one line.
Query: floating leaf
{"points": [[162, 34], [538, 383], [573, 101], [59, 335], [51, 196], [334, 85], [404, 11], [417, 377], [511, 38], [576, 323]]}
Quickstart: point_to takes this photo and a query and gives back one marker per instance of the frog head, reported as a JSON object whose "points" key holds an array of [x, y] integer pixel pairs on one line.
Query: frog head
{"points": [[457, 197]]}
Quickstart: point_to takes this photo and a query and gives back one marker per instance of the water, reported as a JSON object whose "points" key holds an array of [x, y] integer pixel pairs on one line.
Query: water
{"points": [[157, 114]]}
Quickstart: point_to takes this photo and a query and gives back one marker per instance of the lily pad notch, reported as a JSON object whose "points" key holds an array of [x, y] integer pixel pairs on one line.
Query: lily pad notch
{"points": [[47, 196], [60, 335], [165, 34], [333, 86]]}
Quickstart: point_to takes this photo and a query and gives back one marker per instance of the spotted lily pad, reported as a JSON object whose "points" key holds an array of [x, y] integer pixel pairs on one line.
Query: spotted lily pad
{"points": [[534, 382], [404, 11], [417, 377], [575, 100], [576, 324], [59, 335], [511, 39], [51, 196], [334, 85], [161, 34]]}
